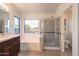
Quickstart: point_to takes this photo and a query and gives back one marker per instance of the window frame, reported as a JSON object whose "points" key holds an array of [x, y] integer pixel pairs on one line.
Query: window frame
{"points": [[38, 26], [17, 25], [7, 19]]}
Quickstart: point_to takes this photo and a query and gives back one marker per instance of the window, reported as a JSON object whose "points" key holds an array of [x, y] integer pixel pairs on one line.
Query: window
{"points": [[31, 26], [7, 23], [17, 25]]}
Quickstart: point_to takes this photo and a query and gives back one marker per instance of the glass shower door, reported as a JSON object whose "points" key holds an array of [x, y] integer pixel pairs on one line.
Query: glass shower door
{"points": [[51, 36]]}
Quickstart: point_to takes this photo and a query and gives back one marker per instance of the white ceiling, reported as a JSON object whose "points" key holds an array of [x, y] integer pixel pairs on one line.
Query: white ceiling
{"points": [[37, 7]]}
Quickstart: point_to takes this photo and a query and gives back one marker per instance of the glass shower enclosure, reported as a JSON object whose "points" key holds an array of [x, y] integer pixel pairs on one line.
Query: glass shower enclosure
{"points": [[51, 33]]}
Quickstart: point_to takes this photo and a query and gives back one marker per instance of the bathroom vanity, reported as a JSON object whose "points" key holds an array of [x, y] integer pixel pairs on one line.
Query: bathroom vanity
{"points": [[10, 45]]}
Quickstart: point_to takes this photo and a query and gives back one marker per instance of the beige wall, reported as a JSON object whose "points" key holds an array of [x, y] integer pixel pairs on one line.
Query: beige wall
{"points": [[13, 11], [37, 15], [62, 8], [30, 16], [68, 31], [32, 39], [75, 25], [60, 11]]}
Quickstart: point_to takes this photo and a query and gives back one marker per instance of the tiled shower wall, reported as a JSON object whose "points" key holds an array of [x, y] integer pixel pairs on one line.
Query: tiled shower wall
{"points": [[51, 32]]}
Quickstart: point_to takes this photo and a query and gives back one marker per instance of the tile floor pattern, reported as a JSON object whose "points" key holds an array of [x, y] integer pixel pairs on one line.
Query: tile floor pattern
{"points": [[45, 53]]}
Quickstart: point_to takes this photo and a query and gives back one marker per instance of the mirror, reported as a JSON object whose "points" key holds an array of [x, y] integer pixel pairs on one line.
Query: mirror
{"points": [[4, 23]]}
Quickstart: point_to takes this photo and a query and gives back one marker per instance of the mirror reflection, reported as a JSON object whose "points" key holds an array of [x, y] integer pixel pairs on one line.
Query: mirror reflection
{"points": [[4, 21]]}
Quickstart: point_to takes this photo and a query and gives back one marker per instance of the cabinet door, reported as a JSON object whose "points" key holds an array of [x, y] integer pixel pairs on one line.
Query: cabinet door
{"points": [[18, 46], [12, 48], [0, 47], [7, 50]]}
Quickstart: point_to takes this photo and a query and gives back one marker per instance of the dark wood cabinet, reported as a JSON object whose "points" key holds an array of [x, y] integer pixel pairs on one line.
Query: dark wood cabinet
{"points": [[10, 47]]}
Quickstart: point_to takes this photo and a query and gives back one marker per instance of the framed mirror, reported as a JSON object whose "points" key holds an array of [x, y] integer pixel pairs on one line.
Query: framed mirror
{"points": [[4, 21]]}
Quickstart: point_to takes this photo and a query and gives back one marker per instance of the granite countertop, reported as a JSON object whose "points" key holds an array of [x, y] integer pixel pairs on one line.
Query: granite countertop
{"points": [[7, 37]]}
